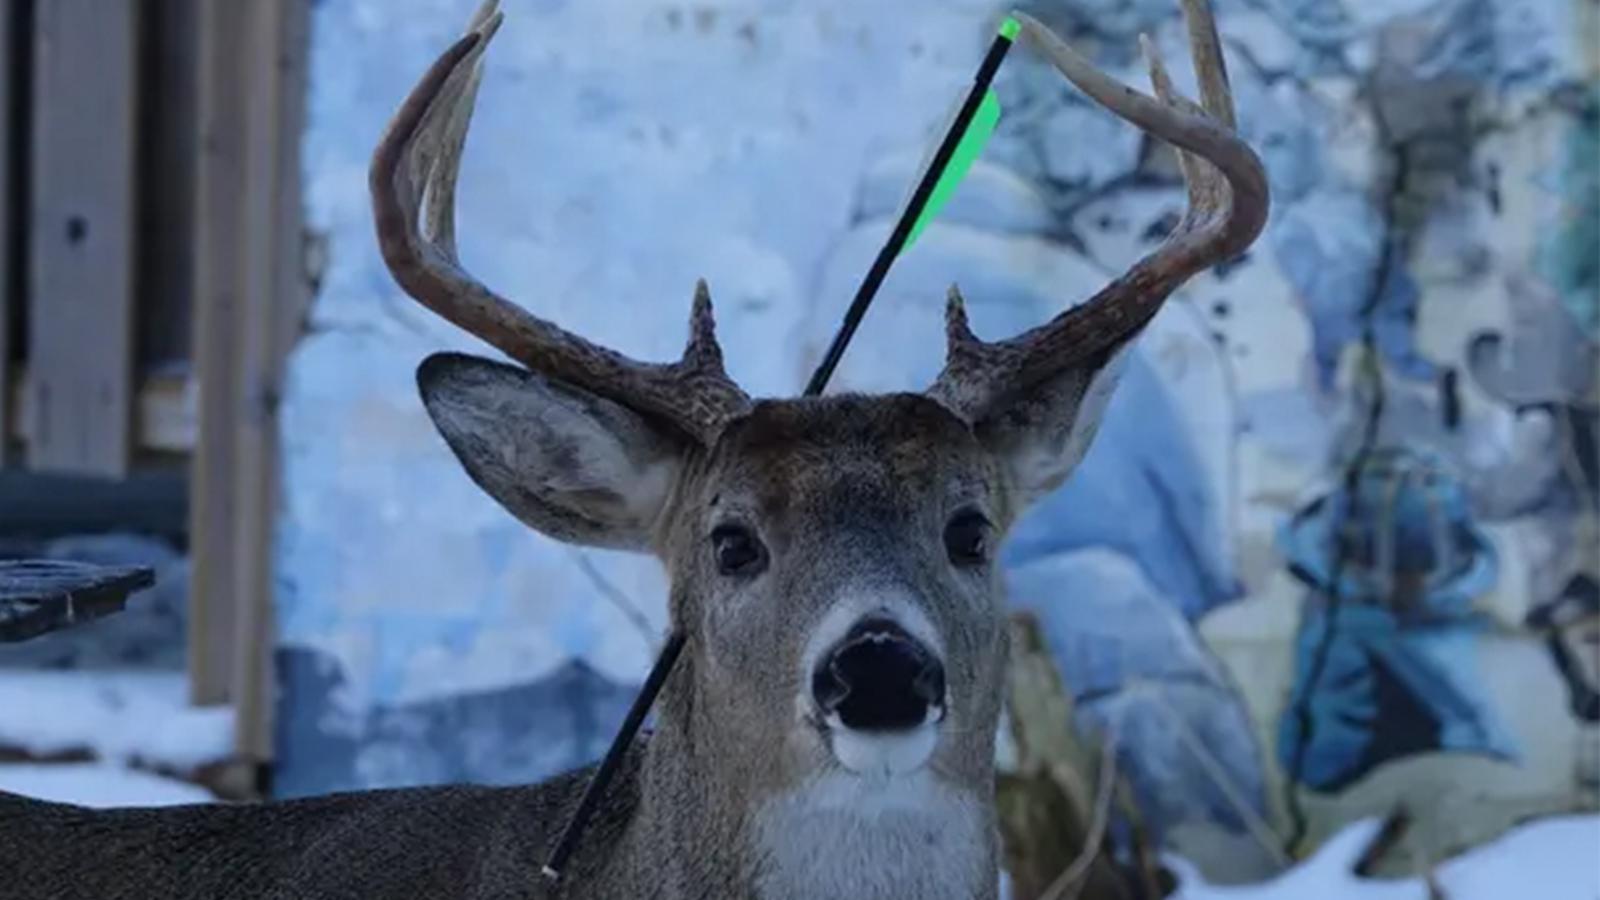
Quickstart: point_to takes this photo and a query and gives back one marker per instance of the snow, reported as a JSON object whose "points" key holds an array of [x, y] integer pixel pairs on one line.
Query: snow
{"points": [[116, 716], [1557, 858], [100, 785]]}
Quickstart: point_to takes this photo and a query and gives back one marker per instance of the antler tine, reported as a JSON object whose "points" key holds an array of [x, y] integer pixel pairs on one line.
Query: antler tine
{"points": [[1228, 201], [1208, 191], [1211, 70], [413, 181], [442, 135]]}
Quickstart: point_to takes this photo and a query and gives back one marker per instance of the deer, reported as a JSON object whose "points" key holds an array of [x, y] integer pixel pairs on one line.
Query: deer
{"points": [[830, 730]]}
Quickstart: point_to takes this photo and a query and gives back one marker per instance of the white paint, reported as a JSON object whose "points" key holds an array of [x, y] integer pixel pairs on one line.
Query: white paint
{"points": [[841, 835]]}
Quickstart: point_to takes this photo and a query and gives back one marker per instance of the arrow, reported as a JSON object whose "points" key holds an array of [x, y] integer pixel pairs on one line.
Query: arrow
{"points": [[973, 125]]}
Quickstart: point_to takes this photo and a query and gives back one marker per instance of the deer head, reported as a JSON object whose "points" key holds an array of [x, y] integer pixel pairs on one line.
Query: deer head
{"points": [[832, 559]]}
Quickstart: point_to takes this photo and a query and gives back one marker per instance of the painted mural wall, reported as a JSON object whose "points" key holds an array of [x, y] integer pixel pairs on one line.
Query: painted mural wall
{"points": [[1335, 548]]}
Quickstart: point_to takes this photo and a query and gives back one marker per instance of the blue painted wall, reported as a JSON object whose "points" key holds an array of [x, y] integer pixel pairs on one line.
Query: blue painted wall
{"points": [[1430, 191]]}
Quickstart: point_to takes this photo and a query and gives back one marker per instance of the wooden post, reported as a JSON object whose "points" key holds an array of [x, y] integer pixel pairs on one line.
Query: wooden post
{"points": [[10, 11], [250, 295], [269, 316], [218, 281], [82, 257]]}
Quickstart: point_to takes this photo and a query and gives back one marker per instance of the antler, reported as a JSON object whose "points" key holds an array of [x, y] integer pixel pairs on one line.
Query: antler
{"points": [[1227, 210], [415, 166]]}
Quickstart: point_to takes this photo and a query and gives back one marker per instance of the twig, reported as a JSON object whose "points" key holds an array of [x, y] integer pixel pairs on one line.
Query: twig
{"points": [[1070, 882], [1259, 828], [1147, 867]]}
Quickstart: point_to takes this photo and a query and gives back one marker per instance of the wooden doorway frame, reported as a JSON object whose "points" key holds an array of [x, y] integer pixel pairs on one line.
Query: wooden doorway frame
{"points": [[153, 281]]}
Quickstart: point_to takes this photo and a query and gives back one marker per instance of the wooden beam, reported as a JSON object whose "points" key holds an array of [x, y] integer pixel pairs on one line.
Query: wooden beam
{"points": [[164, 419], [36, 507], [82, 258], [219, 237]]}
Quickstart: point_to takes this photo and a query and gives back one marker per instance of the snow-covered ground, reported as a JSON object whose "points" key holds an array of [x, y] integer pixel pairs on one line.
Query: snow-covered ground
{"points": [[115, 719], [97, 784], [1550, 859], [114, 716]]}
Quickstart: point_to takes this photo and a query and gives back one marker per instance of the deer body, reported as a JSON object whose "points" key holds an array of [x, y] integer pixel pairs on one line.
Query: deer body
{"points": [[478, 843], [458, 842], [829, 730], [462, 843]]}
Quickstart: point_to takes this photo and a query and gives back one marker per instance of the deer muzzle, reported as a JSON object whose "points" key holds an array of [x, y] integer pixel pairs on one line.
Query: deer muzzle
{"points": [[879, 679]]}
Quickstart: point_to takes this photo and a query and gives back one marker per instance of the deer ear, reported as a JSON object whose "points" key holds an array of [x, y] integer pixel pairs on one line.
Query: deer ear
{"points": [[574, 466], [1042, 435]]}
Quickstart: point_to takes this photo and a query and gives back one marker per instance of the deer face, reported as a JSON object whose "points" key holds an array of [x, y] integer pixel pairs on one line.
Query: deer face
{"points": [[840, 558], [832, 559]]}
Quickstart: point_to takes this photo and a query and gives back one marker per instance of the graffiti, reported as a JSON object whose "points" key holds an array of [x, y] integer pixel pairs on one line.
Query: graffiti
{"points": [[1384, 662], [1568, 260], [1570, 622], [1545, 370]]}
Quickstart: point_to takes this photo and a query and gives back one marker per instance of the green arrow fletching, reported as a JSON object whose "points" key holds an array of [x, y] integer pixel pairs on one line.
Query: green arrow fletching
{"points": [[967, 150]]}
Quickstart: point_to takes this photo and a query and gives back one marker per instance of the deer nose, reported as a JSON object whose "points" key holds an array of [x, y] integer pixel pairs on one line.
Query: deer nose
{"points": [[879, 678]]}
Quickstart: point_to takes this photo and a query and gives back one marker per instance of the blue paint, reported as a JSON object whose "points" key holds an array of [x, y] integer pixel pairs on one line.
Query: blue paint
{"points": [[1334, 273], [1385, 658], [1135, 666], [398, 639], [1141, 490], [1386, 692], [498, 545], [514, 735], [1568, 260]]}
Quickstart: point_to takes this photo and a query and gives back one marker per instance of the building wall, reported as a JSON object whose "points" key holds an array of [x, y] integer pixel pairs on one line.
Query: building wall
{"points": [[1409, 351]]}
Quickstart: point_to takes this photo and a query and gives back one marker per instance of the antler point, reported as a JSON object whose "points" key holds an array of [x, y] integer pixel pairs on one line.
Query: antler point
{"points": [[957, 330], [703, 348]]}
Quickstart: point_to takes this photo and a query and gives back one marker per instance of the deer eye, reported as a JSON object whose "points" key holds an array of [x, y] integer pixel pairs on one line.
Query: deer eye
{"points": [[739, 551], [966, 538]]}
